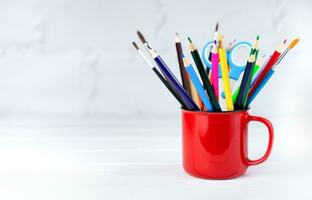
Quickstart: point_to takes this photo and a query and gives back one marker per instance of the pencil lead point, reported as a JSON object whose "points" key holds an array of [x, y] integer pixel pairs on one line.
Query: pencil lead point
{"points": [[189, 39], [217, 27], [257, 37], [285, 41], [177, 38]]}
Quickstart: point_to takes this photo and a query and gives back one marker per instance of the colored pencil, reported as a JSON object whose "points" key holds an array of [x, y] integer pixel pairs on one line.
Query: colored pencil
{"points": [[254, 50], [272, 71], [204, 77], [266, 69], [255, 47], [198, 85], [225, 75], [254, 75], [168, 74], [244, 87], [185, 81], [195, 95], [215, 69], [187, 84], [215, 38], [163, 80]]}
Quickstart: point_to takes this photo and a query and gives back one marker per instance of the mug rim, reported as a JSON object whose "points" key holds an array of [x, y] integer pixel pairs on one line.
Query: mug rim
{"points": [[214, 113]]}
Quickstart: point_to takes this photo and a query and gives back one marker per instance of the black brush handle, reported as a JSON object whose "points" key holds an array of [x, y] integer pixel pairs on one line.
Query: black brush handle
{"points": [[168, 86]]}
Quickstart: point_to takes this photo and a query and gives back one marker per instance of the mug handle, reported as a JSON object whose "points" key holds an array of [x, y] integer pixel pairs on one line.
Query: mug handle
{"points": [[268, 124]]}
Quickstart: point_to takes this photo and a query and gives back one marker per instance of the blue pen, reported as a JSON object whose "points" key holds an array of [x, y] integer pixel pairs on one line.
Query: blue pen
{"points": [[197, 84]]}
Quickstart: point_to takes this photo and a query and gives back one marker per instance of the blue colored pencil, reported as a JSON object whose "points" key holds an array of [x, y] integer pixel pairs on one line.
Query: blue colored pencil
{"points": [[261, 85], [197, 84]]}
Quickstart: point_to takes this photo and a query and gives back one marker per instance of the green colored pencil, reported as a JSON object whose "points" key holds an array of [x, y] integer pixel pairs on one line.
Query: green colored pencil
{"points": [[254, 50], [204, 77]]}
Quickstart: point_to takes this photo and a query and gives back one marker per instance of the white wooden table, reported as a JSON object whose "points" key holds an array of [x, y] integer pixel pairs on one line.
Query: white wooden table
{"points": [[141, 159]]}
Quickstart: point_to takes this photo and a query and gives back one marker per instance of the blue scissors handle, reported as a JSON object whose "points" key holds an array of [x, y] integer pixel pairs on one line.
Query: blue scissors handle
{"points": [[236, 69]]}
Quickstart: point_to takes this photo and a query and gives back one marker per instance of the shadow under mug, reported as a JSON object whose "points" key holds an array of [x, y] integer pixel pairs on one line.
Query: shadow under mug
{"points": [[215, 144]]}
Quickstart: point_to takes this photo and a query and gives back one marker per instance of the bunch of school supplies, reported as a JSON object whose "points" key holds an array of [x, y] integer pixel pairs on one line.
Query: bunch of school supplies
{"points": [[201, 93]]}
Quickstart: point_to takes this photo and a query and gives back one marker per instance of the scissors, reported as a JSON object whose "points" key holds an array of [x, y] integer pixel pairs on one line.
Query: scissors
{"points": [[235, 68]]}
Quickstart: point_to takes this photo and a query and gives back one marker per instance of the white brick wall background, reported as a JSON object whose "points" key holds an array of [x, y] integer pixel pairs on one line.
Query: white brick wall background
{"points": [[83, 117], [74, 59]]}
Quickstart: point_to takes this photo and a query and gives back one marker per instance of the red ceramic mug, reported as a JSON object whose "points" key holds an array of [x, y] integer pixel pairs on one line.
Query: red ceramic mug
{"points": [[215, 144]]}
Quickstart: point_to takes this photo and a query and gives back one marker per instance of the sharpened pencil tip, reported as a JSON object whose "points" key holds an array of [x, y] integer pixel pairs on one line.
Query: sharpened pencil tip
{"points": [[140, 35], [285, 41], [177, 38], [135, 45], [252, 58], [257, 37], [189, 39], [217, 27]]}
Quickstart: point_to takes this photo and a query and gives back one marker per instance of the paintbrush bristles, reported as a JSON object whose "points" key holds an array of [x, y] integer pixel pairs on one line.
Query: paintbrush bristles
{"points": [[293, 43], [135, 45], [140, 35]]}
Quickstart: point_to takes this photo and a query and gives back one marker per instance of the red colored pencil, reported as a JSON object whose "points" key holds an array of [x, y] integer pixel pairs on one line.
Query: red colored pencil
{"points": [[266, 69]]}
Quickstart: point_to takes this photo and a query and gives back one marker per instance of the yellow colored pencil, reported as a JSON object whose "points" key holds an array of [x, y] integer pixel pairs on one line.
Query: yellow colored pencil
{"points": [[225, 75]]}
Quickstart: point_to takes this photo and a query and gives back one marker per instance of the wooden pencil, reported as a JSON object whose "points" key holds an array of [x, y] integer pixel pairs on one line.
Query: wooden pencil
{"points": [[272, 71], [198, 85], [245, 84], [225, 75], [204, 77], [266, 68], [215, 69], [185, 80]]}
